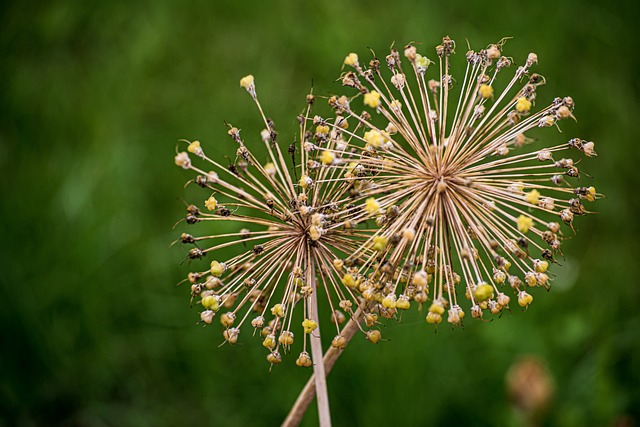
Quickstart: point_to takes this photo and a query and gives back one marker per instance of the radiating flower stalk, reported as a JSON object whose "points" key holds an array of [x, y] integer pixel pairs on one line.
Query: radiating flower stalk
{"points": [[467, 203], [300, 212], [413, 193]]}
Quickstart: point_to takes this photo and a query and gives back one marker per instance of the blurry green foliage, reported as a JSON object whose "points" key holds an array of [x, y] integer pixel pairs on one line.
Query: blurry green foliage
{"points": [[94, 96]]}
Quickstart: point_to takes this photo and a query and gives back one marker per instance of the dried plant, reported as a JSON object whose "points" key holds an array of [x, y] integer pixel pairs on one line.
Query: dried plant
{"points": [[467, 203], [297, 236], [462, 201]]}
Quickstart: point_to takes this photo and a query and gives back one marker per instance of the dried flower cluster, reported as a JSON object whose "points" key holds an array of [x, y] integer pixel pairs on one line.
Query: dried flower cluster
{"points": [[412, 192]]}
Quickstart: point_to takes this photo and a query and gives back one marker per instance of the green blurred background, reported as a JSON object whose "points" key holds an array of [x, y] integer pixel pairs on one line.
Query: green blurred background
{"points": [[93, 330]]}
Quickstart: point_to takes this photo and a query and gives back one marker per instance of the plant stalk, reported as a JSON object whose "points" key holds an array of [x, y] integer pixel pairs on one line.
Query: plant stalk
{"points": [[309, 391]]}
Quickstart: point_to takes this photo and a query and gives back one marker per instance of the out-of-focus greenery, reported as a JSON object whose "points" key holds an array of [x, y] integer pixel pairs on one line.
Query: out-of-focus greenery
{"points": [[94, 96]]}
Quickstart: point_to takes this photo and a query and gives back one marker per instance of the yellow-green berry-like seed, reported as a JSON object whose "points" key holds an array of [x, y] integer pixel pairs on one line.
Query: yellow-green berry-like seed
{"points": [[524, 299], [485, 91], [372, 99], [379, 243], [269, 341], [211, 302], [373, 336], [274, 358], [309, 325], [217, 268], [278, 310], [304, 360], [483, 292], [434, 318], [339, 342], [349, 281]]}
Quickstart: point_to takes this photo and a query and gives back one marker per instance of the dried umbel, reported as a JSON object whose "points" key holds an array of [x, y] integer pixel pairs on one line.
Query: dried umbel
{"points": [[468, 205], [296, 232]]}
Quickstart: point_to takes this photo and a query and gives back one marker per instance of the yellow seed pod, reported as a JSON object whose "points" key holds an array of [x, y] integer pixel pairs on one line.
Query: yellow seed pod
{"points": [[420, 278], [499, 276], [591, 194], [507, 265], [339, 342], [270, 169], [211, 302], [269, 341], [530, 278], [483, 292], [309, 325], [524, 299], [278, 310], [524, 223], [434, 318], [286, 338], [422, 61], [195, 148], [338, 264], [379, 243], [351, 60], [305, 182], [485, 91], [211, 203], [217, 268], [349, 281], [437, 307], [327, 157], [389, 301], [322, 129], [247, 82], [523, 105], [374, 138], [372, 99], [274, 358], [315, 233], [304, 360], [540, 265], [403, 303], [371, 206], [373, 336], [532, 197]]}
